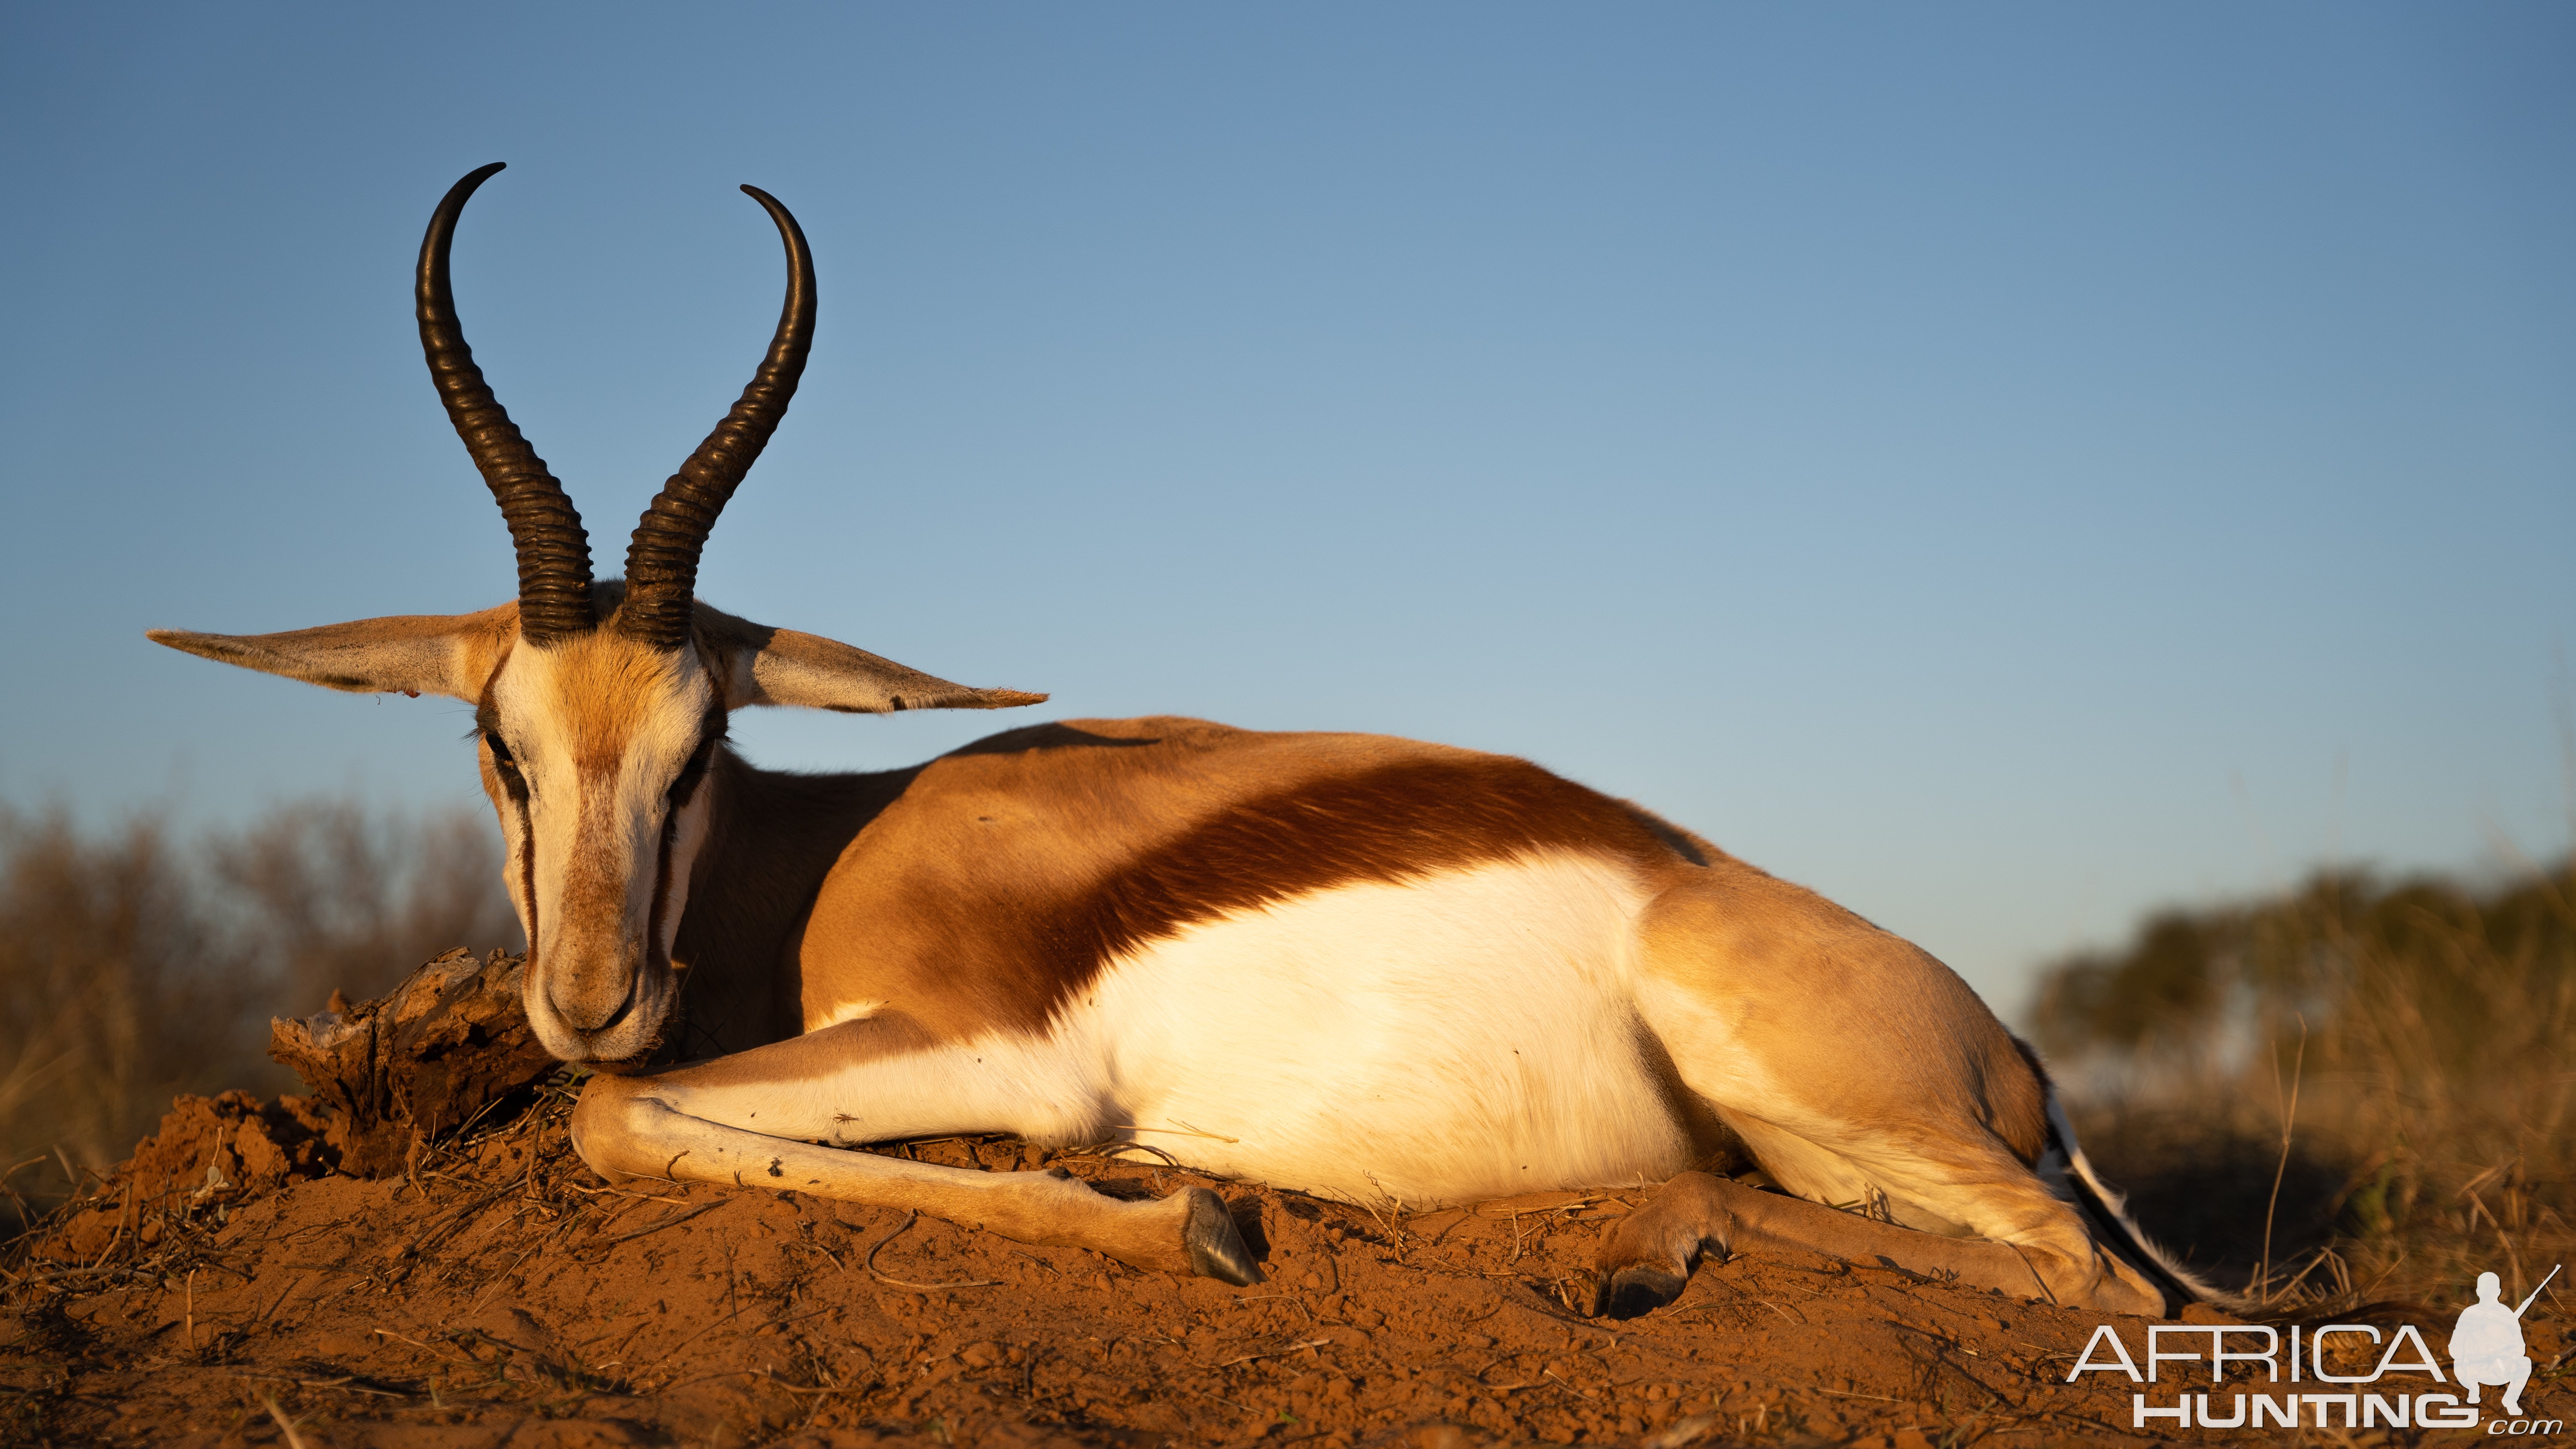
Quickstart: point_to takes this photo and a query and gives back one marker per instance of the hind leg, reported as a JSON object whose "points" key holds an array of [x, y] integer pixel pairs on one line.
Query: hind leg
{"points": [[1645, 1261], [1860, 1072]]}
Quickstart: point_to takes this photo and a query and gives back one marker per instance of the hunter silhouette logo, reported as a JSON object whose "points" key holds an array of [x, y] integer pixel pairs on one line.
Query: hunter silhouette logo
{"points": [[2486, 1344], [2486, 1351]]}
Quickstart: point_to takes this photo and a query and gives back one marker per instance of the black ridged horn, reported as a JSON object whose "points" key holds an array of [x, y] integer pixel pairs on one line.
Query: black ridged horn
{"points": [[662, 562], [554, 553]]}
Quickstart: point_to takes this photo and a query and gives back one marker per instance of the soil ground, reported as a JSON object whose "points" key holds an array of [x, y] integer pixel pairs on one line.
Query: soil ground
{"points": [[224, 1288]]}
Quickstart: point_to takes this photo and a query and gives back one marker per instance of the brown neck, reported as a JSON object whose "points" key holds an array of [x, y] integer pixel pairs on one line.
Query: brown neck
{"points": [[771, 838]]}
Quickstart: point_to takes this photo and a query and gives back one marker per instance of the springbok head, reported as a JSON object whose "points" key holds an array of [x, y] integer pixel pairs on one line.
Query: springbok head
{"points": [[600, 706]]}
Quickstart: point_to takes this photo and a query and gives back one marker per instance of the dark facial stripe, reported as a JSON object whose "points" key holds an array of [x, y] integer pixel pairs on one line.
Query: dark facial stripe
{"points": [[661, 888], [711, 734], [487, 723], [528, 879]]}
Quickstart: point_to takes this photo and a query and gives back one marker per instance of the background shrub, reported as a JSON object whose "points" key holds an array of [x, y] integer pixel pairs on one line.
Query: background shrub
{"points": [[2361, 1087], [135, 966]]}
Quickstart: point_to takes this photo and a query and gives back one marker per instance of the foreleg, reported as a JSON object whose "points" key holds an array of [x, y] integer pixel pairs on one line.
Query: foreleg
{"points": [[687, 1125]]}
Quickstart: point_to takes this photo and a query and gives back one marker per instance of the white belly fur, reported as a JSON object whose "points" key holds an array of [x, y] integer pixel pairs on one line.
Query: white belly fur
{"points": [[1443, 1041]]}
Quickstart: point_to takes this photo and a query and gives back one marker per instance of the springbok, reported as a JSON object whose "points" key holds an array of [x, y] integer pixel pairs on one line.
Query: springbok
{"points": [[1361, 967]]}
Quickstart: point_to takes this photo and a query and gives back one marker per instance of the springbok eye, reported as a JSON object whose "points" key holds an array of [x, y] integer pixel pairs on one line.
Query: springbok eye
{"points": [[505, 766], [690, 774]]}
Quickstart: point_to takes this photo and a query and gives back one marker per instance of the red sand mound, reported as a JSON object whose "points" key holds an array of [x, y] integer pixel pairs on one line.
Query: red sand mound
{"points": [[498, 1294], [334, 1272]]}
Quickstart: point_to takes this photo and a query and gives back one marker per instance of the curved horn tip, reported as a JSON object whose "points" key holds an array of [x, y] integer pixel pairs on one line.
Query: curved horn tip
{"points": [[776, 208], [545, 530], [662, 556], [476, 177]]}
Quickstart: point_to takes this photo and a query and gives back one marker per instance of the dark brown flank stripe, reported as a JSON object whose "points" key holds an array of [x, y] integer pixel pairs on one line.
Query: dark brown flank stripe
{"points": [[1396, 823]]}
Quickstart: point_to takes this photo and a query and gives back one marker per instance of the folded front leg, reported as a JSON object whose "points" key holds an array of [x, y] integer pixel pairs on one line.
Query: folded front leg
{"points": [[683, 1126]]}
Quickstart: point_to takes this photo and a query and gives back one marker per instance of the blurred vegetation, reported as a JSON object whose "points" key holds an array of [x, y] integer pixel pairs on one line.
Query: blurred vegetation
{"points": [[2359, 1089], [135, 965]]}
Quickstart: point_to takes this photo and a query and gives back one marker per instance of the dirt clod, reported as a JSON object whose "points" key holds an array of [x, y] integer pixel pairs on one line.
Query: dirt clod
{"points": [[446, 1046], [210, 1152]]}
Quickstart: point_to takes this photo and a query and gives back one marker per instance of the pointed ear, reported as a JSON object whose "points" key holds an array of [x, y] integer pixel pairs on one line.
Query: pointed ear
{"points": [[761, 665], [405, 654]]}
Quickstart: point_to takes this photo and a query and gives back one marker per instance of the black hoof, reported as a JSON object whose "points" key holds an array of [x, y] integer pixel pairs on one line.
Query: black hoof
{"points": [[1634, 1291], [1216, 1248]]}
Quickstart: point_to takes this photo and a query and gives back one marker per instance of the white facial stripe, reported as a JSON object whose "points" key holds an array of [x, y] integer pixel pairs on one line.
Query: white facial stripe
{"points": [[600, 740], [664, 742]]}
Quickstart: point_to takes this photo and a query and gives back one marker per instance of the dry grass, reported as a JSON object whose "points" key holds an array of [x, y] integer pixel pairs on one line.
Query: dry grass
{"points": [[135, 965], [2358, 1090]]}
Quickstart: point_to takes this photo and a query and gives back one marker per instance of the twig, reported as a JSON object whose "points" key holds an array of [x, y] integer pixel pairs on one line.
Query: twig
{"points": [[57, 1275], [2315, 1262], [2289, 1122], [285, 1425], [347, 1384], [701, 1331], [1882, 1398], [423, 1347], [119, 1235], [776, 1382], [1108, 1151], [621, 1192], [1278, 1352], [2512, 1258], [870, 1264], [1184, 1130], [672, 1222], [495, 1280]]}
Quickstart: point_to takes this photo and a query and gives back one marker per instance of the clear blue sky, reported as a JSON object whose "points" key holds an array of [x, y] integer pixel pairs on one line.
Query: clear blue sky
{"points": [[2004, 466]]}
